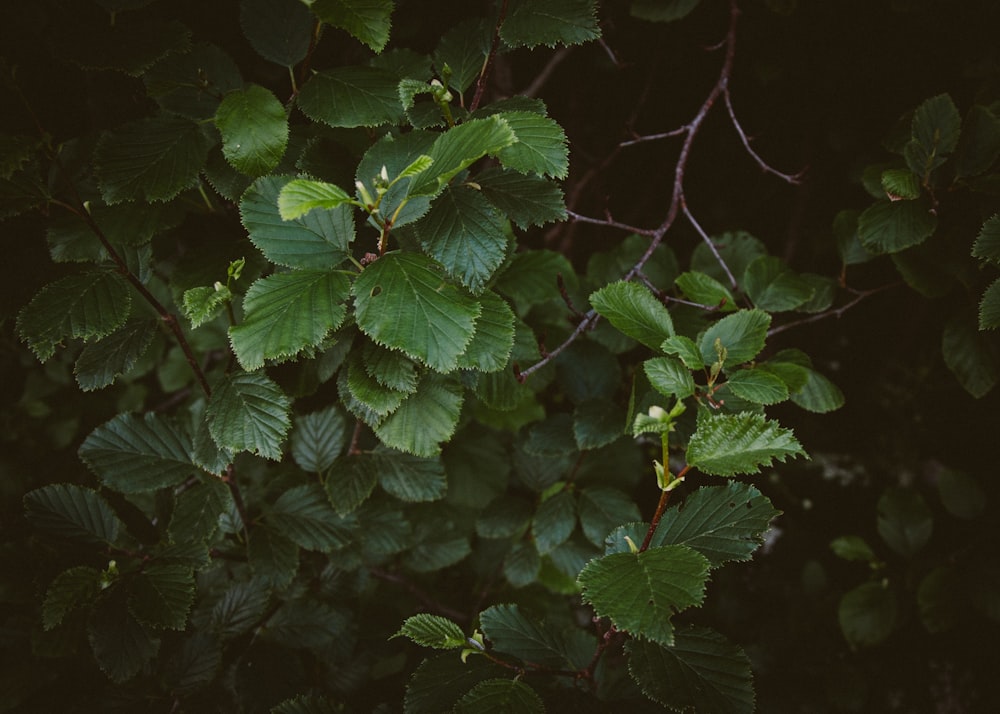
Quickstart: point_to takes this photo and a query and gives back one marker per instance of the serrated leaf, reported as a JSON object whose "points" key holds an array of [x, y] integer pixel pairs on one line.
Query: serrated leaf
{"points": [[633, 310], [249, 412], [151, 159], [318, 438], [286, 313], [203, 304], [101, 362], [402, 302], [254, 129], [366, 390], [72, 588], [132, 454], [278, 30], [685, 349], [531, 23], [742, 334], [240, 609], [900, 184], [299, 196], [934, 134], [307, 624], [306, 704], [597, 423], [410, 478], [432, 631], [457, 149], [706, 290], [197, 511], [498, 696], [491, 345], [737, 249], [391, 369], [669, 377], [987, 245], [352, 96], [466, 234], [131, 44], [120, 643], [315, 241], [522, 564], [425, 419], [304, 515], [438, 683], [531, 278], [161, 595], [773, 286], [464, 48], [192, 84], [970, 356], [868, 614], [728, 444], [273, 558], [757, 386], [701, 672], [554, 521], [506, 516], [640, 592], [892, 226], [527, 200], [435, 555], [367, 20], [513, 633], [602, 509], [541, 146], [85, 306], [349, 482], [979, 143], [194, 665]]}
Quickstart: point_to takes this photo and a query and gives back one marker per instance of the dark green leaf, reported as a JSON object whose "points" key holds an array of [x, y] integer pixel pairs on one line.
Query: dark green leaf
{"points": [[597, 423], [352, 96], [819, 394], [934, 130], [499, 696], [513, 633], [728, 444], [900, 184], [318, 438], [432, 631], [274, 559], [531, 23], [161, 595], [979, 143], [464, 48], [491, 345], [366, 390], [193, 83], [197, 511], [540, 147], [409, 478], [773, 286], [905, 522], [633, 310], [367, 20], [306, 623], [588, 371], [942, 598], [438, 683], [279, 30], [478, 466], [987, 245], [505, 517], [527, 200], [845, 230], [195, 665], [961, 494], [131, 44], [71, 588], [853, 548], [249, 412], [892, 226], [349, 482], [989, 307], [603, 509], [757, 386], [663, 10], [669, 377], [970, 355], [554, 521], [101, 362], [742, 334], [531, 278], [868, 614], [425, 419], [304, 515], [121, 644], [522, 564], [254, 129]]}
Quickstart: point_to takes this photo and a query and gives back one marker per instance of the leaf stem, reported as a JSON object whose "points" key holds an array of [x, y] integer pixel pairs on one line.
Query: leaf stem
{"points": [[661, 507]]}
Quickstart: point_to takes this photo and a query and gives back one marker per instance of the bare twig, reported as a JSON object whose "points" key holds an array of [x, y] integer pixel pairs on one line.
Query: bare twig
{"points": [[488, 64], [610, 223], [793, 179], [711, 244], [859, 295]]}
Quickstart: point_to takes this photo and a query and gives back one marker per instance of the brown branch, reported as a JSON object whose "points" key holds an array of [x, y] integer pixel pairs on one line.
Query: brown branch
{"points": [[793, 179], [859, 295], [488, 64]]}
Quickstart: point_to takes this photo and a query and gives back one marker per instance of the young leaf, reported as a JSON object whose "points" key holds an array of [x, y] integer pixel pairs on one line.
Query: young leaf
{"points": [[279, 30], [742, 334], [432, 631], [640, 592], [527, 200], [669, 377], [701, 672], [367, 20], [352, 96], [540, 147], [120, 643], [69, 511], [425, 419], [87, 306], [101, 362], [404, 303], [634, 310], [151, 159], [554, 521], [892, 226], [304, 515], [728, 444], [161, 596], [132, 454], [249, 412], [773, 286], [254, 129], [286, 313], [491, 345], [299, 196], [458, 148], [706, 290], [500, 695], [934, 130], [71, 588], [531, 23], [409, 478], [757, 386], [318, 438], [684, 349]]}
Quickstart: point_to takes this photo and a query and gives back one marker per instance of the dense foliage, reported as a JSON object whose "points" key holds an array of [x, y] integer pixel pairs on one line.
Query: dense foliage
{"points": [[400, 356]]}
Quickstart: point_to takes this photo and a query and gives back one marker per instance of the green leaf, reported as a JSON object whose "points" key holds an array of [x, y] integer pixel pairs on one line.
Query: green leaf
{"points": [[633, 310], [737, 249], [437, 684], [278, 30], [845, 230], [706, 290], [540, 148], [970, 355], [728, 444], [987, 245], [603, 509], [961, 494], [350, 482], [491, 345], [868, 614], [597, 423], [304, 515], [393, 370], [87, 306], [71, 588], [151, 159], [979, 143], [120, 643], [240, 609], [132, 454], [742, 334], [685, 349], [773, 286], [193, 666], [300, 196], [905, 522], [161, 596], [457, 149], [507, 516], [191, 85], [554, 521], [531, 23], [934, 134], [464, 49], [203, 304], [254, 129], [286, 313], [273, 558], [352, 96], [819, 394], [130, 44], [410, 478], [892, 226], [368, 393], [663, 10], [197, 511], [318, 438], [757, 386], [853, 548], [522, 564], [101, 362], [367, 20], [249, 412], [640, 592], [513, 633], [315, 241], [702, 672], [466, 234], [669, 377], [527, 200], [531, 278], [403, 302], [499, 696], [307, 623], [432, 631], [900, 184], [425, 419], [306, 704]]}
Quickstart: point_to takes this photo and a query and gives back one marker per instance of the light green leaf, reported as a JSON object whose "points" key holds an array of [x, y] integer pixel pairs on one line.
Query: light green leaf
{"points": [[299, 196], [460, 146], [540, 148], [934, 130], [603, 509], [892, 226], [706, 290], [161, 595], [72, 588], [286, 313], [970, 355], [554, 521], [409, 478], [273, 558], [684, 349], [491, 345], [905, 522], [318, 438], [466, 234], [640, 592], [303, 514], [701, 672], [254, 129], [498, 696], [404, 303], [315, 241], [728, 444], [203, 304], [868, 614], [432, 631], [757, 386], [279, 30], [367, 20], [69, 511], [531, 23], [979, 143], [987, 245], [742, 334], [391, 369], [350, 482], [527, 200], [132, 454], [249, 412], [633, 310], [101, 362], [120, 643], [425, 419], [669, 377], [151, 159], [86, 306], [662, 10], [773, 286], [352, 96]]}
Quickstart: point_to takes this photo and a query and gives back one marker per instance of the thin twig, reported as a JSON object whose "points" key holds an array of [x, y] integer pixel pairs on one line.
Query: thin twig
{"points": [[488, 64], [710, 243], [859, 295], [610, 223], [793, 179]]}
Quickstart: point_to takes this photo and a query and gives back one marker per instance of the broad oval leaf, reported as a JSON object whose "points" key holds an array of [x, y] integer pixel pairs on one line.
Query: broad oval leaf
{"points": [[352, 96], [868, 614], [300, 196], [121, 644], [254, 129], [742, 334], [304, 515], [540, 147], [634, 311], [410, 478], [249, 412], [457, 149], [496, 696], [773, 286], [161, 595], [706, 290], [513, 633], [70, 511], [279, 30], [527, 200], [554, 521], [892, 226], [367, 20], [669, 377], [728, 444], [101, 362], [905, 522], [757, 386], [531, 23], [318, 438], [425, 419], [70, 589], [934, 130]]}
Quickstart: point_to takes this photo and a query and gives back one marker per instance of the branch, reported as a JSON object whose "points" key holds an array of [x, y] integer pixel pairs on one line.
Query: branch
{"points": [[859, 295], [793, 179], [488, 64]]}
